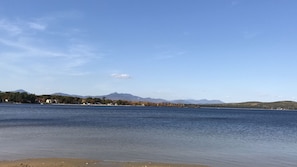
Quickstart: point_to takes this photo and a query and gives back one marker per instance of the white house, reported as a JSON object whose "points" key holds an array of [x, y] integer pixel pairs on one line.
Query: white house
{"points": [[48, 101]]}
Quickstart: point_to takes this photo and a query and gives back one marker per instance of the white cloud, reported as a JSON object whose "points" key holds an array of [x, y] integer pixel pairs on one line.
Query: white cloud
{"points": [[121, 76]]}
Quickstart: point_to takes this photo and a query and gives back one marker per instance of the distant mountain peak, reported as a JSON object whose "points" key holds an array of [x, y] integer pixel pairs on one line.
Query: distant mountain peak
{"points": [[61, 94], [122, 96], [68, 95], [130, 97], [20, 91]]}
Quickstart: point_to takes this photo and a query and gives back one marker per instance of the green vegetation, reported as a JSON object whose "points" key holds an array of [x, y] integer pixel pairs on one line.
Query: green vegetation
{"points": [[279, 105], [17, 97], [23, 97]]}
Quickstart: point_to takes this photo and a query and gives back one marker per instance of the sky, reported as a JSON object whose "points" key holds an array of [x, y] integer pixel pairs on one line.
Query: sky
{"points": [[230, 50]]}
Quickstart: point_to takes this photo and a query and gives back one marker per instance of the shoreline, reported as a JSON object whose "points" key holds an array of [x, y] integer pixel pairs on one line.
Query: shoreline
{"points": [[75, 162]]}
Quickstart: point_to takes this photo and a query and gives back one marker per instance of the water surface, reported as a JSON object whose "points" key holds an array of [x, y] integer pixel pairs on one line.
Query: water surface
{"points": [[215, 137]]}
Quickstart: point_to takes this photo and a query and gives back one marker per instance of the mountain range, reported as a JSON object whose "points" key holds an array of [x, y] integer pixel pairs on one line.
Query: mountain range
{"points": [[130, 97]]}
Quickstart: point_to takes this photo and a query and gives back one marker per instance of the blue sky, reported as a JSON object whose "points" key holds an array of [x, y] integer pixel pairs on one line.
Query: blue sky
{"points": [[231, 50]]}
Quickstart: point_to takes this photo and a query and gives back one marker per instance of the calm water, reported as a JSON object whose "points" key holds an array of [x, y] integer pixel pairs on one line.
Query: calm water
{"points": [[215, 137]]}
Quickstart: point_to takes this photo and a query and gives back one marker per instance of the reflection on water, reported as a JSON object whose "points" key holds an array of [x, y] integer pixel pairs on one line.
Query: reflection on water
{"points": [[215, 137]]}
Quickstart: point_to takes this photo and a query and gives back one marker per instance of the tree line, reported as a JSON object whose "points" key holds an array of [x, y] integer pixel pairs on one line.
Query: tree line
{"points": [[17, 97], [23, 97], [278, 105]]}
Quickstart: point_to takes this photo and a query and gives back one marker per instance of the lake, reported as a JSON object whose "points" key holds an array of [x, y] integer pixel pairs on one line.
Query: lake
{"points": [[210, 136]]}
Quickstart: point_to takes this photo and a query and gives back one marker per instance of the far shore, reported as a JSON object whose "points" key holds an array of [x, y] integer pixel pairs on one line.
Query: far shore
{"points": [[68, 162]]}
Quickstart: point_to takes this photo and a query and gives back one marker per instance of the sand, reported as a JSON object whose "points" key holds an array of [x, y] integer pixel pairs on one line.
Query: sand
{"points": [[67, 162]]}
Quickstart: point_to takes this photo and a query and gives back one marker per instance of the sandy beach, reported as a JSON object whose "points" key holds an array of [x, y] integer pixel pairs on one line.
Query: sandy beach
{"points": [[67, 162]]}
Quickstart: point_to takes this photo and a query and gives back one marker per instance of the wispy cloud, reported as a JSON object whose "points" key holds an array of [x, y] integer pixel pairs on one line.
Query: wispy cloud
{"points": [[235, 2], [37, 26], [250, 34], [20, 27], [121, 76], [9, 27], [26, 45], [165, 55]]}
